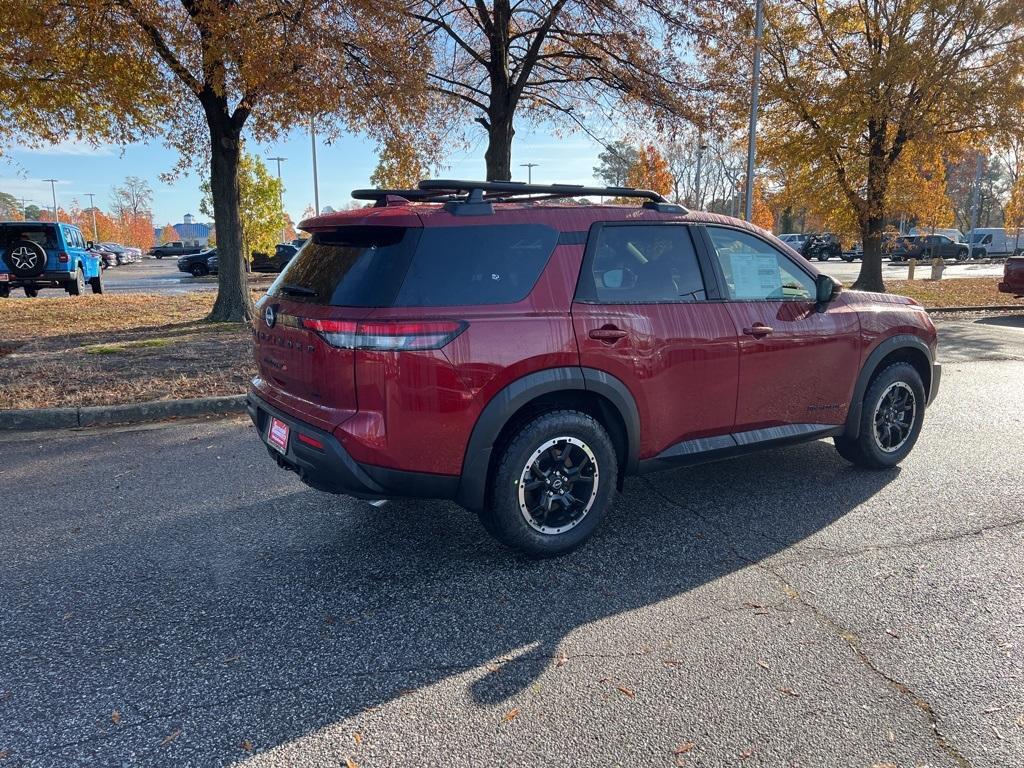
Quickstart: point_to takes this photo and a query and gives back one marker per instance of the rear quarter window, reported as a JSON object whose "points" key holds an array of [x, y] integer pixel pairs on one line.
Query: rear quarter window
{"points": [[366, 266], [476, 265]]}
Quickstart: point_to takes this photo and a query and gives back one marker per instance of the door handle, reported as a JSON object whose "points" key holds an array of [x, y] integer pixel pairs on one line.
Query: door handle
{"points": [[758, 330], [609, 334]]}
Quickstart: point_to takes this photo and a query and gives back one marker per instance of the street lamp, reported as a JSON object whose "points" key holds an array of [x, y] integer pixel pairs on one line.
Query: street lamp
{"points": [[696, 184], [280, 193], [529, 171], [316, 183], [92, 208], [53, 191], [755, 88]]}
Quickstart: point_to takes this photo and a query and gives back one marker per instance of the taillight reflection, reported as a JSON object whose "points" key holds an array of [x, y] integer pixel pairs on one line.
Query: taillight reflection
{"points": [[386, 335]]}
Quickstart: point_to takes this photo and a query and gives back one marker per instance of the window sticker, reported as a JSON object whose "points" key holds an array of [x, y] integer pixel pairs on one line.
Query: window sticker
{"points": [[755, 275]]}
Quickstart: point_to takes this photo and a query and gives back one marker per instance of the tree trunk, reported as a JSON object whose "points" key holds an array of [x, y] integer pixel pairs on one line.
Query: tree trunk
{"points": [[499, 147], [872, 215], [870, 277], [234, 302]]}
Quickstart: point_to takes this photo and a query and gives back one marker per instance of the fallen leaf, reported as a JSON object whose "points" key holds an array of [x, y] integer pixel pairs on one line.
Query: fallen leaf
{"points": [[892, 633], [753, 605], [990, 710], [247, 745], [1020, 721], [746, 753], [791, 593], [788, 692], [685, 747], [3, 754], [672, 662], [511, 715], [763, 664], [350, 763], [171, 737], [115, 717], [560, 661], [997, 732], [892, 735], [358, 738], [627, 691]]}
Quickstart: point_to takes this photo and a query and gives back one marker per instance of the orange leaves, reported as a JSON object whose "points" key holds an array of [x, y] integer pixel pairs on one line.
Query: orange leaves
{"points": [[650, 171], [511, 715]]}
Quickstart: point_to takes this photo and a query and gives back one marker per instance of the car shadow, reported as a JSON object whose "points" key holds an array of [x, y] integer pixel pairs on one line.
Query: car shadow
{"points": [[288, 610]]}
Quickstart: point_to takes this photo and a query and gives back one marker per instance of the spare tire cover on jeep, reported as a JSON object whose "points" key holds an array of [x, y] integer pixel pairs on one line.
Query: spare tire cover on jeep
{"points": [[25, 258]]}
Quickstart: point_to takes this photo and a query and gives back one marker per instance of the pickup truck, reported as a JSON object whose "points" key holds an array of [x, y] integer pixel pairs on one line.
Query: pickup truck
{"points": [[176, 248]]}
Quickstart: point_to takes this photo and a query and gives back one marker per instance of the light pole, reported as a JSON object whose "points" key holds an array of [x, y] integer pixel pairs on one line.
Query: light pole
{"points": [[975, 203], [53, 191], [316, 183], [529, 171], [755, 92], [696, 184], [24, 207], [92, 208], [280, 192]]}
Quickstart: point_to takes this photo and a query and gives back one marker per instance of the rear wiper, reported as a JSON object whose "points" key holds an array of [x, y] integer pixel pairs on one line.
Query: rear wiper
{"points": [[298, 290]]}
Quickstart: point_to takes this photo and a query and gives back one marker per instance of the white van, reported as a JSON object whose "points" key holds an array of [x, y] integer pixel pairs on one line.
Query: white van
{"points": [[999, 243]]}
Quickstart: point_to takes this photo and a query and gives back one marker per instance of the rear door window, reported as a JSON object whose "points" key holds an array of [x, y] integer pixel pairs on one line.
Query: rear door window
{"points": [[44, 235], [641, 264], [365, 266]]}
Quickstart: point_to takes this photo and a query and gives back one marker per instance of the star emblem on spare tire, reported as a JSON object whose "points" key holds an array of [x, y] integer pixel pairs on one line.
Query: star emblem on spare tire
{"points": [[24, 258]]}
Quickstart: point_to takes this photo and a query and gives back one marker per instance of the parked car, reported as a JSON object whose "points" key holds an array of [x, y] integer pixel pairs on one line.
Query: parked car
{"points": [[794, 240], [36, 255], [124, 256], [176, 248], [999, 243], [521, 359], [856, 251], [212, 264], [926, 247], [821, 247], [283, 253], [108, 258], [195, 264], [1013, 276]]}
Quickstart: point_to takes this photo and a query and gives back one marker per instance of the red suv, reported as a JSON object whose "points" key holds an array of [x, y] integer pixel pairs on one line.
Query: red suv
{"points": [[485, 342]]}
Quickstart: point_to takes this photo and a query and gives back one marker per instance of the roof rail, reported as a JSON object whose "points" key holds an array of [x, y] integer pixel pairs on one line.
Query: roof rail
{"points": [[474, 197]]}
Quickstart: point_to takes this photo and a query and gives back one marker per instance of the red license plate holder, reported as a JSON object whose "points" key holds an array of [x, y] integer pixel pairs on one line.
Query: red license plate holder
{"points": [[277, 435]]}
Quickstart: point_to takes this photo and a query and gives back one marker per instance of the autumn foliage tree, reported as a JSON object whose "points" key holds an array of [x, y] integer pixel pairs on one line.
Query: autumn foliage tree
{"points": [[848, 85], [561, 61], [259, 67], [263, 218], [650, 171]]}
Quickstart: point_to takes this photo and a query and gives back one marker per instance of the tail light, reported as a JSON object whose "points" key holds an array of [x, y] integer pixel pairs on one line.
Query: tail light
{"points": [[62, 257], [386, 335]]}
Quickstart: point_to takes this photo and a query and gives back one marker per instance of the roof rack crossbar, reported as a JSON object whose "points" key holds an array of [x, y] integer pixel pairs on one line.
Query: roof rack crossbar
{"points": [[515, 188]]}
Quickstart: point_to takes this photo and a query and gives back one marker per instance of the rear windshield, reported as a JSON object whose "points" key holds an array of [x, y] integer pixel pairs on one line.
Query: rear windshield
{"points": [[42, 234], [414, 267]]}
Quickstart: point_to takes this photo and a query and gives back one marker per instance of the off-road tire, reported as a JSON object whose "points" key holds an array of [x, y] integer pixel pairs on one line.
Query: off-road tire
{"points": [[199, 270], [96, 283], [503, 515], [865, 450], [31, 293], [5, 291], [76, 287]]}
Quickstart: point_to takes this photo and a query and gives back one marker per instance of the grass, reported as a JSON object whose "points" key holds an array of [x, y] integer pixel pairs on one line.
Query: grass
{"points": [[955, 292], [118, 348]]}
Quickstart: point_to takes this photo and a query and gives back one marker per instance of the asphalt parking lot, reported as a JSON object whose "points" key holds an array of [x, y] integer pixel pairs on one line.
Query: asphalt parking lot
{"points": [[169, 597]]}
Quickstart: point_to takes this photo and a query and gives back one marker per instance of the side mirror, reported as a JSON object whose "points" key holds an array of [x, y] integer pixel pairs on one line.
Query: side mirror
{"points": [[827, 289], [89, 244]]}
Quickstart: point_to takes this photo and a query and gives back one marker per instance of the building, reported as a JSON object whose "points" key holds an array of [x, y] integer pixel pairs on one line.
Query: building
{"points": [[190, 231]]}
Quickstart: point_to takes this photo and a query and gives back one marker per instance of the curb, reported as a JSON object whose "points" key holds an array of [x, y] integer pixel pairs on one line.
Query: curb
{"points": [[130, 413], [989, 308]]}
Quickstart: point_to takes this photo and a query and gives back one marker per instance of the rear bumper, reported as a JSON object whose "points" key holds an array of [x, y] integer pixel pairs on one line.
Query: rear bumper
{"points": [[333, 470], [46, 279]]}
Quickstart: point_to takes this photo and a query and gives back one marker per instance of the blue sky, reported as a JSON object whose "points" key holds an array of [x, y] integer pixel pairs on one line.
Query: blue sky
{"points": [[343, 166]]}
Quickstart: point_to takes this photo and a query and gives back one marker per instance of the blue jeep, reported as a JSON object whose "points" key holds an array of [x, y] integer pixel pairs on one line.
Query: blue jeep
{"points": [[39, 254]]}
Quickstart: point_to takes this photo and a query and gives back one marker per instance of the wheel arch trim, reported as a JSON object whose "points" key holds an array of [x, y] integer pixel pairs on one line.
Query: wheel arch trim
{"points": [[510, 399], [871, 366]]}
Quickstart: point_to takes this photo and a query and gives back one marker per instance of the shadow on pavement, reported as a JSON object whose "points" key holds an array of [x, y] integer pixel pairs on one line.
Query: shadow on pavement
{"points": [[218, 600]]}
